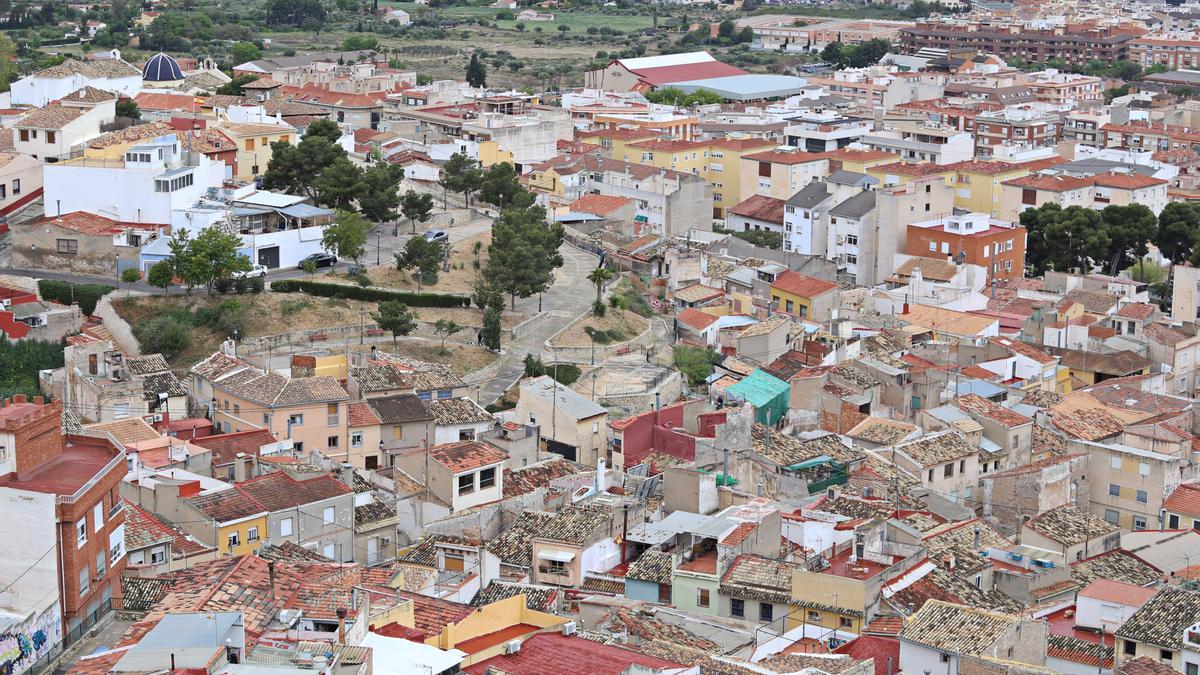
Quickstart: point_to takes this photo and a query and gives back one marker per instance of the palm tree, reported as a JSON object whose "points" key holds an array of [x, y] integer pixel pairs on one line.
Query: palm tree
{"points": [[599, 276]]}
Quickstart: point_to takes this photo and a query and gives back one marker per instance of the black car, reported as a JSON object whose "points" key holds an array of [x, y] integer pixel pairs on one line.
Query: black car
{"points": [[320, 260]]}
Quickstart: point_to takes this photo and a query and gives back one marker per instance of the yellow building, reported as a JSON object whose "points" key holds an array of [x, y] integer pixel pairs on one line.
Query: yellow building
{"points": [[718, 161], [254, 145], [803, 297], [860, 161], [977, 184], [227, 519], [831, 598], [614, 142]]}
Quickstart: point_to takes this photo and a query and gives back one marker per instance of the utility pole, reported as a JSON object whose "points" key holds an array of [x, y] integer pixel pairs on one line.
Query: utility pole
{"points": [[378, 234]]}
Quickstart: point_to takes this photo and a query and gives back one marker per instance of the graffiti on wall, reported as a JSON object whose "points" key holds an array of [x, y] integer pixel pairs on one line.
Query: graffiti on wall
{"points": [[21, 645]]}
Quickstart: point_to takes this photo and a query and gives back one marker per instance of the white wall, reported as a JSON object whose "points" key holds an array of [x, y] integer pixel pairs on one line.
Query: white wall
{"points": [[1095, 613], [38, 91], [125, 194], [294, 246], [449, 434], [918, 659], [31, 530], [601, 556]]}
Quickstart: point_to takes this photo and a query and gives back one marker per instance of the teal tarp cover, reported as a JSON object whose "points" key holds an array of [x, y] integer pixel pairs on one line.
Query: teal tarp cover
{"points": [[767, 393]]}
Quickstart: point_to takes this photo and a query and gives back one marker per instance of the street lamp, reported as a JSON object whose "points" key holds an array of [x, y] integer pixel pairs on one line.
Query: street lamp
{"points": [[419, 275]]}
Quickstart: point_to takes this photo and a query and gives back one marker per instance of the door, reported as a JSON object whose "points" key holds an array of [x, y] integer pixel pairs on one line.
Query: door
{"points": [[269, 257], [372, 550]]}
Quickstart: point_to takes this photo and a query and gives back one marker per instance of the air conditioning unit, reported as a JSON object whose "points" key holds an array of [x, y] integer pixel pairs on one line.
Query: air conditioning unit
{"points": [[154, 419], [512, 646], [385, 541], [841, 239], [568, 628]]}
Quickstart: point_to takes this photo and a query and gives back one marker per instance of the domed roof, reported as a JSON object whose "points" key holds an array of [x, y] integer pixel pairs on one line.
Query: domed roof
{"points": [[162, 68]]}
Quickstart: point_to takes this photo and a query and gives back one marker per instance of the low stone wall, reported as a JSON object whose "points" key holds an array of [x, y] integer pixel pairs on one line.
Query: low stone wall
{"points": [[121, 331], [583, 354]]}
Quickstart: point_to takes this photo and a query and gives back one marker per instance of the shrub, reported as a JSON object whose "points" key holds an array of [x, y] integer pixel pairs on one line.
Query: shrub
{"points": [[345, 292], [603, 337], [598, 308], [361, 279], [290, 307], [222, 285], [163, 334], [257, 284], [241, 285], [85, 295]]}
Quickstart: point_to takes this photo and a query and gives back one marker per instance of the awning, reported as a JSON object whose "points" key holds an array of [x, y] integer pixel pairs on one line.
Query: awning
{"points": [[641, 219], [304, 211], [560, 556]]}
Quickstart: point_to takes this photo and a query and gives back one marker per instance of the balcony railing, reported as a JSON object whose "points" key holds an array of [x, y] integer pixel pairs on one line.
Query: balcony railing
{"points": [[119, 459]]}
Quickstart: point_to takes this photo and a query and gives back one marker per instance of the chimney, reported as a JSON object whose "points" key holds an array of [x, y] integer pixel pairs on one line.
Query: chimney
{"points": [[271, 576], [601, 478], [976, 537], [341, 617], [347, 474], [239, 467], [189, 489], [949, 560]]}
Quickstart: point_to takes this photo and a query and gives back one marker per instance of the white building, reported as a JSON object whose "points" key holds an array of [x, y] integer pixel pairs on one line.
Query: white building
{"points": [[53, 83], [1105, 604], [458, 419], [52, 132], [29, 603], [823, 131], [151, 182]]}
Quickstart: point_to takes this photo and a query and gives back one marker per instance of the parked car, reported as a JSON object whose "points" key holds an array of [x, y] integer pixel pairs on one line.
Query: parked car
{"points": [[437, 235], [254, 271], [320, 260]]}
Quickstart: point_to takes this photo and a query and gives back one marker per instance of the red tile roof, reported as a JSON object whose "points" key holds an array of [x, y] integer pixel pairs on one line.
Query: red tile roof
{"points": [[802, 285], [361, 415], [695, 318], [760, 207], [600, 205], [912, 168], [277, 491], [431, 615], [1119, 592], [1126, 181], [225, 447], [787, 157], [1185, 500], [885, 651], [554, 654], [688, 71], [739, 534], [990, 168], [149, 101], [85, 223], [466, 455], [1039, 181]]}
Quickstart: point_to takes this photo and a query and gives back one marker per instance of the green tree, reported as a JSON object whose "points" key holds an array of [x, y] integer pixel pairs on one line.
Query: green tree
{"points": [[462, 174], [346, 237], [242, 52], [695, 363], [1130, 230], [422, 255], [8, 62], [868, 53], [1147, 270], [165, 335], [128, 108], [217, 250], [726, 29], [476, 72], [1178, 225], [524, 252], [339, 184], [380, 196], [445, 328], [599, 277], [161, 274], [1080, 240], [309, 267], [500, 186], [234, 86], [395, 317], [295, 168], [417, 207], [131, 276], [309, 14], [832, 54]]}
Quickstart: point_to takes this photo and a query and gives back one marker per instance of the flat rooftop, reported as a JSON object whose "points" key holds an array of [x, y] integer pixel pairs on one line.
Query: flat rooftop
{"points": [[841, 566], [66, 473]]}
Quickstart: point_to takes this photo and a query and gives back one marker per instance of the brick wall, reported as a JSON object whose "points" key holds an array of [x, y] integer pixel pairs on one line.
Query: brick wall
{"points": [[38, 434]]}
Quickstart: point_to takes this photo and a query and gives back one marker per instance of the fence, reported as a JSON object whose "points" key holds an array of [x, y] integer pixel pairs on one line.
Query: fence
{"points": [[84, 626]]}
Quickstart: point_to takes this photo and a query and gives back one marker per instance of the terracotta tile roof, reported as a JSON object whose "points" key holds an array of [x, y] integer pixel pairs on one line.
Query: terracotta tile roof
{"points": [[146, 364], [527, 479], [538, 598], [289, 551], [756, 578], [1126, 181], [1162, 620], [360, 415], [955, 628], [653, 566], [600, 205], [278, 491], [1050, 183], [143, 529], [573, 525], [937, 448], [514, 545], [698, 293], [225, 447], [695, 318], [603, 585], [84, 223], [431, 615], [317, 95], [1117, 591], [466, 455], [948, 320], [991, 410], [880, 431], [425, 553], [1069, 525], [1078, 651], [374, 378], [1023, 349], [53, 116], [915, 169], [1136, 310], [802, 285], [1117, 565], [152, 101], [142, 593], [760, 207], [1184, 500], [883, 650], [943, 585], [647, 627], [787, 157], [1144, 665], [958, 539], [739, 534], [369, 515], [884, 625], [452, 411], [400, 409], [1087, 424], [274, 389], [127, 431], [89, 94], [549, 653], [990, 168]]}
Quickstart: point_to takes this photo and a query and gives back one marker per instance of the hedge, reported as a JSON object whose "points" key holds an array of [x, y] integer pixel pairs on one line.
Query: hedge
{"points": [[345, 291], [87, 295]]}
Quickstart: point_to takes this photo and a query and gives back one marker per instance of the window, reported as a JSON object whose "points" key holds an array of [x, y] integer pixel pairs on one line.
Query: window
{"points": [[1112, 516], [737, 608], [766, 611], [948, 470], [234, 540], [1114, 490], [157, 556], [16, 187], [466, 484], [1129, 648], [1114, 463], [962, 465], [249, 144], [237, 409], [945, 657], [595, 427], [68, 246], [24, 134], [296, 420], [1029, 197], [2, 191], [844, 622], [1143, 468], [931, 475], [331, 415], [81, 531], [356, 439], [1142, 496], [252, 534], [1173, 522], [487, 478], [558, 568], [445, 394], [85, 581], [1191, 669], [814, 616], [98, 516], [933, 246], [1139, 523], [331, 442], [852, 239], [51, 136], [329, 515], [285, 527], [764, 169], [702, 595]]}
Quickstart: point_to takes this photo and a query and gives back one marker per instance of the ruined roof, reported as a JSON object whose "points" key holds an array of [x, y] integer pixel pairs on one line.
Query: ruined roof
{"points": [[466, 455], [1162, 620], [514, 545], [646, 626], [956, 628], [522, 481], [1070, 525]]}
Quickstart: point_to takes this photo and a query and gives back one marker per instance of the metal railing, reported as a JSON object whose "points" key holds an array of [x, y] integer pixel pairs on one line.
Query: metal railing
{"points": [[119, 458], [88, 621]]}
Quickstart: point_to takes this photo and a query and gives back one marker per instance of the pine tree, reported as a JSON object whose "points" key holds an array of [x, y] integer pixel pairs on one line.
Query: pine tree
{"points": [[476, 73]]}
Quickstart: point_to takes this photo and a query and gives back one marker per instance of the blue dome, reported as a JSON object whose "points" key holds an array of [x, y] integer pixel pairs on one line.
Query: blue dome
{"points": [[162, 68]]}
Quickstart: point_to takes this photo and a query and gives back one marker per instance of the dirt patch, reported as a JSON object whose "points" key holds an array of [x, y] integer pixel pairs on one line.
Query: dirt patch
{"points": [[461, 358], [460, 278], [617, 325]]}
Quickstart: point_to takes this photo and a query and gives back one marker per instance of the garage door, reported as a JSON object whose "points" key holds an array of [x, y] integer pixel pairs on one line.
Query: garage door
{"points": [[269, 257]]}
